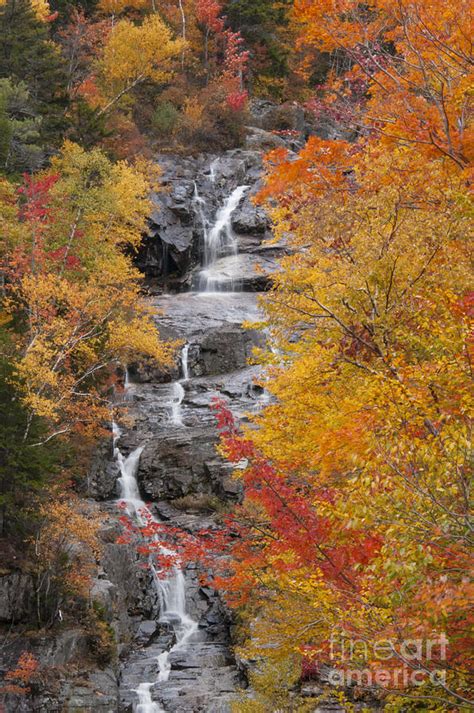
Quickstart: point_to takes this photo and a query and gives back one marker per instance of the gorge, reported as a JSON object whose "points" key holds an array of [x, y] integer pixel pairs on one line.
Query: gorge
{"points": [[189, 665]]}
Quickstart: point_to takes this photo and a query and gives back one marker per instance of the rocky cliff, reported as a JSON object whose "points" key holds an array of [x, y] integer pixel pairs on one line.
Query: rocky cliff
{"points": [[205, 259]]}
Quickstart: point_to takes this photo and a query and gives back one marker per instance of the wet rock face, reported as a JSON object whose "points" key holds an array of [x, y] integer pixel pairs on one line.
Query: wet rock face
{"points": [[249, 219], [125, 592], [225, 350], [193, 190], [182, 476], [175, 466], [102, 477]]}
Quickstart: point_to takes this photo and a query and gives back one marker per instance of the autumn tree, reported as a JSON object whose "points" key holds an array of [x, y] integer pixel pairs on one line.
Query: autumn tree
{"points": [[66, 547], [134, 54], [72, 293], [18, 679], [266, 29], [82, 41], [356, 516], [407, 71]]}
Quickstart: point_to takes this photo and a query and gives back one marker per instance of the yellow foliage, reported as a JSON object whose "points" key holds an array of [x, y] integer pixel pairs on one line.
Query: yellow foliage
{"points": [[115, 7], [370, 432], [193, 111], [66, 549], [41, 8], [137, 52], [79, 290]]}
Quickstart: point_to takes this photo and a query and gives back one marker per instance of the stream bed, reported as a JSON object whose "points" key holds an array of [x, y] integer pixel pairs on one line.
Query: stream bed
{"points": [[167, 456]]}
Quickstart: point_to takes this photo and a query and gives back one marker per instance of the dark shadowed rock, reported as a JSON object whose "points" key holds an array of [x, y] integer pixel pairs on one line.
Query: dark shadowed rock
{"points": [[146, 631], [226, 350], [104, 593], [102, 477], [134, 595], [174, 465], [16, 597], [249, 218]]}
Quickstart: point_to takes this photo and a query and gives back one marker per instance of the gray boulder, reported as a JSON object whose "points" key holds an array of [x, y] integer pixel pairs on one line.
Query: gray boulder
{"points": [[249, 218], [226, 350], [261, 140]]}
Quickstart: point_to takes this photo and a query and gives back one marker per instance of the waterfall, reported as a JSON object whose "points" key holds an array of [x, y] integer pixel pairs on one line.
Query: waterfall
{"points": [[220, 241], [116, 433], [127, 386], [177, 391], [177, 396], [184, 362], [146, 703], [172, 597], [171, 589], [127, 481], [212, 170], [199, 204]]}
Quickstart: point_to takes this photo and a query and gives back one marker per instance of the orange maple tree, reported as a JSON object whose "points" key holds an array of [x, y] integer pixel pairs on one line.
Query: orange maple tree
{"points": [[356, 508]]}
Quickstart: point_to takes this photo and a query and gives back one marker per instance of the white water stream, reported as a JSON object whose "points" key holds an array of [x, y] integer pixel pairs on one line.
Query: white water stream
{"points": [[212, 170], [199, 204], [177, 396], [171, 589], [184, 362], [177, 391], [219, 240], [146, 704]]}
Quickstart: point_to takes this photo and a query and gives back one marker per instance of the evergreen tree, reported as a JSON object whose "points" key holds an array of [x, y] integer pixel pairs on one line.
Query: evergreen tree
{"points": [[20, 148], [28, 55], [24, 467], [263, 25]]}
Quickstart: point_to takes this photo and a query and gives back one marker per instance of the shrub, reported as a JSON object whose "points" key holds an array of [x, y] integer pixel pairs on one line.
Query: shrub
{"points": [[208, 122], [164, 118], [198, 501], [101, 636]]}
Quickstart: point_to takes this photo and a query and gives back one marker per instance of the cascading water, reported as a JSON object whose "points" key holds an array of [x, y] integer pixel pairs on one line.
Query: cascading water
{"points": [[146, 703], [219, 241], [177, 391], [184, 362], [177, 397], [172, 597], [212, 170], [171, 589], [174, 664], [199, 204], [128, 485]]}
